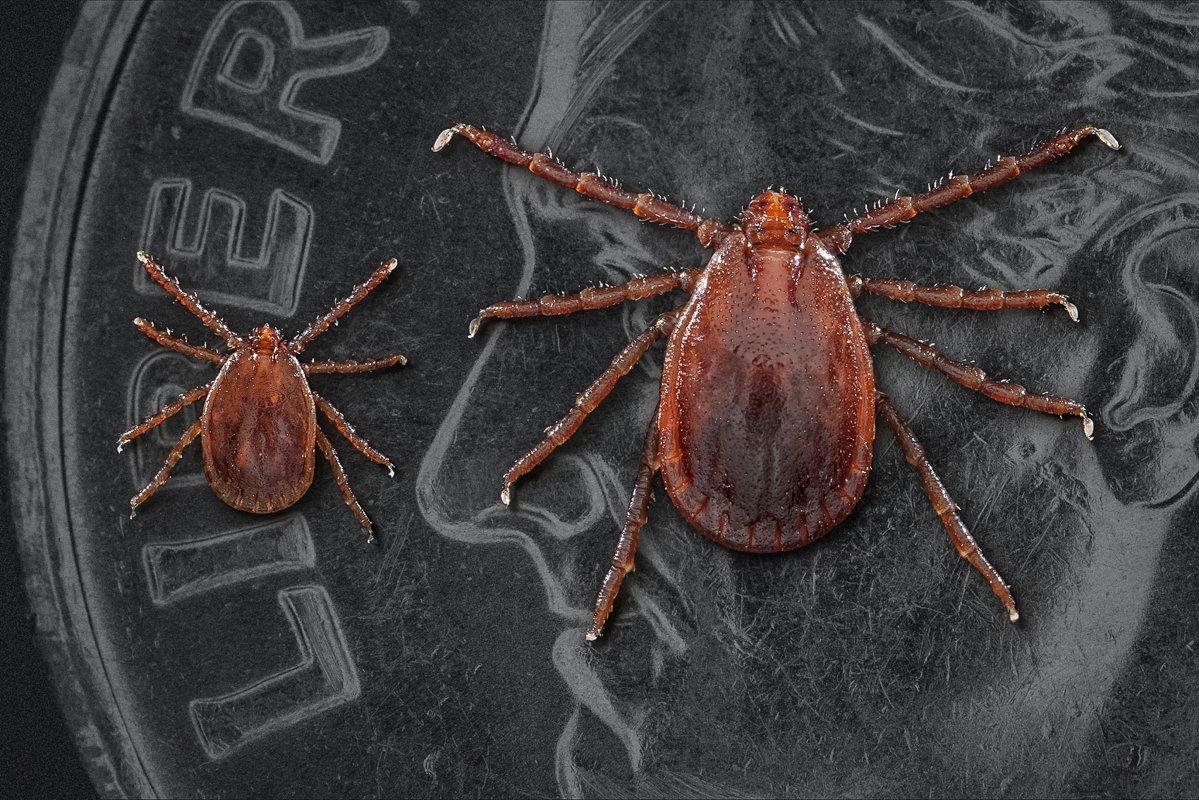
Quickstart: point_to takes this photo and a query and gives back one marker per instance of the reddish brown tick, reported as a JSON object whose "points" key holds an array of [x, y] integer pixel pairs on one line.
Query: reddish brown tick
{"points": [[258, 430], [764, 429]]}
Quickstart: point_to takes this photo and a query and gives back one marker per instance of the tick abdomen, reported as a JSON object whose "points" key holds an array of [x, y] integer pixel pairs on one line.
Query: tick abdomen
{"points": [[259, 432], [767, 404]]}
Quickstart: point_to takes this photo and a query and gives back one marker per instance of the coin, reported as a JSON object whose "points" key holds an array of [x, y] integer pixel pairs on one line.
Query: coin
{"points": [[270, 154]]}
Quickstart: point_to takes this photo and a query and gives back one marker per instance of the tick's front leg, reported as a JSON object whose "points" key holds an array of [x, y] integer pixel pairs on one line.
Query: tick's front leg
{"points": [[343, 483], [341, 307], [554, 305], [626, 548], [943, 505], [172, 459], [902, 209], [647, 206], [189, 301], [949, 296]]}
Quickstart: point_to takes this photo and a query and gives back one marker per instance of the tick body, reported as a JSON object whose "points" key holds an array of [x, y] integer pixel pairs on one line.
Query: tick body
{"points": [[766, 406], [765, 424], [258, 431]]}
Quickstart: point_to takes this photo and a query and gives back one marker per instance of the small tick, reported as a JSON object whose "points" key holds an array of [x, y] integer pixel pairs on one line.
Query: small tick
{"points": [[764, 429], [258, 431]]}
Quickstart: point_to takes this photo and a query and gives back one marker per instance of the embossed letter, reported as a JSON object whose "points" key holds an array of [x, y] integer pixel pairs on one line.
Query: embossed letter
{"points": [[214, 259], [324, 678], [252, 64], [178, 570]]}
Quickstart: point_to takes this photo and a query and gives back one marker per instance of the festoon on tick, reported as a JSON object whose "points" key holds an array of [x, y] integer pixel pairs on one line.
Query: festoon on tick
{"points": [[764, 429], [258, 431]]}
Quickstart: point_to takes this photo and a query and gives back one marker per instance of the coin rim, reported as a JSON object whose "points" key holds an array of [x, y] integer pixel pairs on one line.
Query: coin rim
{"points": [[65, 145]]}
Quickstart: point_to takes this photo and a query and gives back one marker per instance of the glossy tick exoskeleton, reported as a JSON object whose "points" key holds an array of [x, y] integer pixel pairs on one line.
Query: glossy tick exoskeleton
{"points": [[764, 429], [258, 431]]}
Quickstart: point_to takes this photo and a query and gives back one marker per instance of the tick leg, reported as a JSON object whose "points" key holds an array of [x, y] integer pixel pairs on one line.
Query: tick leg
{"points": [[626, 549], [189, 301], [347, 430], [943, 504], [554, 305], [341, 307], [172, 459], [179, 345], [956, 297], [1012, 394], [589, 184], [343, 483], [162, 415], [348, 367], [956, 187], [585, 403]]}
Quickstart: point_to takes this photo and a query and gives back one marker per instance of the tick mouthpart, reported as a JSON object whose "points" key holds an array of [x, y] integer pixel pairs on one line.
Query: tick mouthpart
{"points": [[775, 218], [266, 339], [444, 137]]}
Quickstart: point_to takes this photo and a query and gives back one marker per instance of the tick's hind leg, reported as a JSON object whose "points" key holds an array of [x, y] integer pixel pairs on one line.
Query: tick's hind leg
{"points": [[943, 504], [626, 548], [172, 459], [1012, 394], [585, 403], [589, 184], [351, 435], [343, 483], [554, 305], [902, 209], [341, 307], [162, 415], [949, 296]]}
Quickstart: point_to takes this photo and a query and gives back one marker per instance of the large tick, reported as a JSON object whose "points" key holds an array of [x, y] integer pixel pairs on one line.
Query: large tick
{"points": [[258, 431], [764, 429]]}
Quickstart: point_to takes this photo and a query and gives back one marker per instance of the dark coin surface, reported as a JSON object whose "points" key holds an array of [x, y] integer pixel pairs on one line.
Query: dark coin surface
{"points": [[271, 154]]}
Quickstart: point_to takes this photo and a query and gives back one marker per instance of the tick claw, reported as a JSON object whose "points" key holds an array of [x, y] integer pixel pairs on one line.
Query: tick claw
{"points": [[506, 494], [592, 635], [1106, 137], [1013, 614], [1088, 427], [391, 473], [474, 327], [1071, 309], [444, 137]]}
